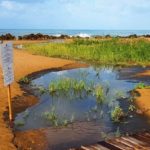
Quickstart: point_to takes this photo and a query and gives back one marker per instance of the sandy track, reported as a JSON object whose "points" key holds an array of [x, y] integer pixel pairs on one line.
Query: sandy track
{"points": [[24, 64]]}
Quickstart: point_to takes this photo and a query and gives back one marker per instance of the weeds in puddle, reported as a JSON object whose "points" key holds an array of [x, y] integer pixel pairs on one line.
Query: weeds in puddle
{"points": [[132, 98], [117, 114], [42, 90], [99, 93], [78, 86], [132, 108], [65, 122], [120, 94], [24, 80], [117, 133], [26, 114], [70, 85], [66, 84], [141, 85], [54, 119], [19, 123], [51, 116]]}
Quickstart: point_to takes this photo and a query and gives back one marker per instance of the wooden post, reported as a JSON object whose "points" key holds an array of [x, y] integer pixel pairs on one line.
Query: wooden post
{"points": [[9, 104]]}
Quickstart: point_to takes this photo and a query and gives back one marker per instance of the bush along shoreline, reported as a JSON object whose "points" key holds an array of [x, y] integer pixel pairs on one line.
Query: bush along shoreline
{"points": [[40, 36]]}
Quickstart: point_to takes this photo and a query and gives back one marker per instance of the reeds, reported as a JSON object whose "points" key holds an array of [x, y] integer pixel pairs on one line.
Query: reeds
{"points": [[112, 51], [72, 87]]}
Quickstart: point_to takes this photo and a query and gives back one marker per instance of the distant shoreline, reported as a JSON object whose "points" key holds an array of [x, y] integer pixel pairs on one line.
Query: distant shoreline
{"points": [[40, 36], [74, 32]]}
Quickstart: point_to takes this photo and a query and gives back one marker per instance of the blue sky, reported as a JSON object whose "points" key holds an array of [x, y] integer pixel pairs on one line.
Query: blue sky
{"points": [[75, 14]]}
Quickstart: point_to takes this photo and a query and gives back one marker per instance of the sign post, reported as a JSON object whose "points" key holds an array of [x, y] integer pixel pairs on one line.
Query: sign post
{"points": [[6, 51], [9, 103]]}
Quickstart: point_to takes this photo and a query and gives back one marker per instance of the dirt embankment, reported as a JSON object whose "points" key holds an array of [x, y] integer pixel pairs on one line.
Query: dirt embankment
{"points": [[143, 101], [141, 75], [24, 64]]}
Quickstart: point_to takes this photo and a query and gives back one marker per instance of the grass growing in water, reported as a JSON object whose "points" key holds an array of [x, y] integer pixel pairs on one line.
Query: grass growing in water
{"points": [[99, 93], [141, 86], [54, 119], [132, 108], [19, 123], [74, 86], [51, 116], [42, 90], [66, 84], [120, 94], [117, 114], [24, 80], [112, 51]]}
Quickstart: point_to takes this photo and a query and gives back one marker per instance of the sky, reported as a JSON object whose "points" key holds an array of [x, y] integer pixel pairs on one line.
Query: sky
{"points": [[75, 14]]}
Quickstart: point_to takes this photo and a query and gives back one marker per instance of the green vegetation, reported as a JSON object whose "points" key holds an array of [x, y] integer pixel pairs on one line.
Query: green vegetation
{"points": [[117, 114], [24, 80], [25, 114], [51, 116], [99, 93], [22, 120], [141, 86], [54, 119], [132, 108], [117, 133], [120, 94], [106, 51], [78, 86], [19, 123], [72, 86], [66, 85], [42, 90]]}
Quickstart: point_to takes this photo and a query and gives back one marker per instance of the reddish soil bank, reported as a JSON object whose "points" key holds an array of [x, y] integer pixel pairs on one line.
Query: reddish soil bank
{"points": [[141, 75], [143, 101], [24, 64]]}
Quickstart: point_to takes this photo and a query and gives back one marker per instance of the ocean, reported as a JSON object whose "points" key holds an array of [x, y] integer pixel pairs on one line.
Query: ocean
{"points": [[82, 33]]}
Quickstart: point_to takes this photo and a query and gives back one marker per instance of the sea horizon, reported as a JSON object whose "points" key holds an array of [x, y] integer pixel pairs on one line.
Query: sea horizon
{"points": [[75, 32]]}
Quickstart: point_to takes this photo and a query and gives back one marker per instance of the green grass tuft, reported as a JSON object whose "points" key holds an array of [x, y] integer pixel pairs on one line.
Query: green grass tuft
{"points": [[24, 80], [142, 86], [117, 114]]}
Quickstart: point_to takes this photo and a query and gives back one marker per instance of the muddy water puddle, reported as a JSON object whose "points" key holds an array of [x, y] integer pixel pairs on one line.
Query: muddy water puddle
{"points": [[82, 106]]}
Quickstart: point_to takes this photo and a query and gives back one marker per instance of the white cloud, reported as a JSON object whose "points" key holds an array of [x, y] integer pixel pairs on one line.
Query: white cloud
{"points": [[102, 14], [7, 5], [10, 5]]}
